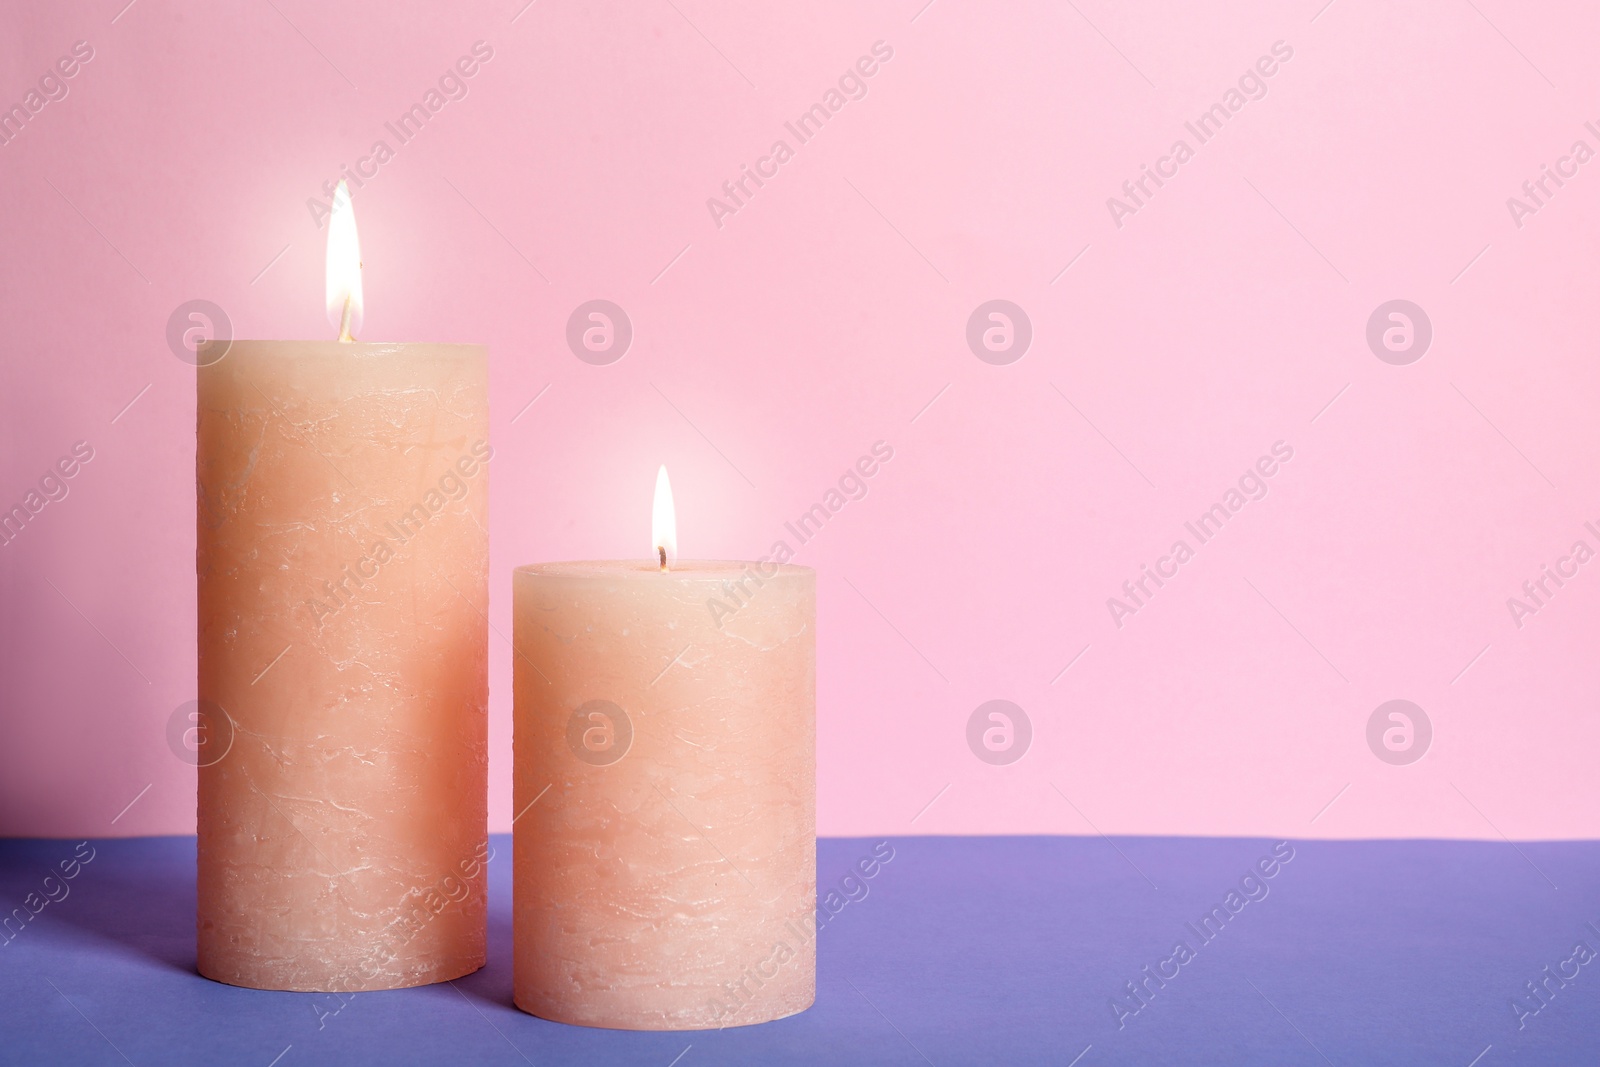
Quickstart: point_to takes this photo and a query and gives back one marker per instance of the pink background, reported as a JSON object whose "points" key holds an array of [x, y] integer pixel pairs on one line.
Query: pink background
{"points": [[824, 316]]}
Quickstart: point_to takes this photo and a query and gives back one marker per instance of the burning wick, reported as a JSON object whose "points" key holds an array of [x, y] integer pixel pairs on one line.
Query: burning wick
{"points": [[343, 267], [664, 521], [344, 322]]}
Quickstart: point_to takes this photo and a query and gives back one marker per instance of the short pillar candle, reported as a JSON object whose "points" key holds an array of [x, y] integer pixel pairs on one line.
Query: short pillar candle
{"points": [[665, 792]]}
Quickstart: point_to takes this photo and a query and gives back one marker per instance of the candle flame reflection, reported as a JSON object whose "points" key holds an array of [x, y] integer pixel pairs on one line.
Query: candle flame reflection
{"points": [[664, 522], [344, 266]]}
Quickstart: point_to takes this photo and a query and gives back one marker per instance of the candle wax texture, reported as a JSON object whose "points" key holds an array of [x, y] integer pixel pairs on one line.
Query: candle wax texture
{"points": [[665, 746], [343, 578]]}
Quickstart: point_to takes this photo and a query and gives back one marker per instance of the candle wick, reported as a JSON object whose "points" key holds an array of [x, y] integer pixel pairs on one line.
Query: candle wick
{"points": [[662, 551], [344, 320]]}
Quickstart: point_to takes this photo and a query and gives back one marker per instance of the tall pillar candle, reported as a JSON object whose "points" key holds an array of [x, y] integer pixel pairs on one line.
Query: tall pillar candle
{"points": [[342, 560], [665, 793]]}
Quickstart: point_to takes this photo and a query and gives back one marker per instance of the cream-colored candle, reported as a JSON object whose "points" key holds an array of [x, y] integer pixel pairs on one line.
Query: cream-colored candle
{"points": [[343, 577], [665, 792]]}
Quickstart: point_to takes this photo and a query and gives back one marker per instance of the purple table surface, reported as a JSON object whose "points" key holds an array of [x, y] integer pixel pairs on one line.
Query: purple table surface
{"points": [[982, 950]]}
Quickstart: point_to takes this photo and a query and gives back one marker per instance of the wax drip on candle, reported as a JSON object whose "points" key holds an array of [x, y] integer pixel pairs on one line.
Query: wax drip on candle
{"points": [[344, 296], [664, 521]]}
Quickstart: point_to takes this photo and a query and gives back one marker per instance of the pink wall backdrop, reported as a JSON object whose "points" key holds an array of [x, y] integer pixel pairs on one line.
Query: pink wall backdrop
{"points": [[1359, 153]]}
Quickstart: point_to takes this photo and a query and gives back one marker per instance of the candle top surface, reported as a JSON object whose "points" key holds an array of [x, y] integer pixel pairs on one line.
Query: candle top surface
{"points": [[302, 346], [715, 569]]}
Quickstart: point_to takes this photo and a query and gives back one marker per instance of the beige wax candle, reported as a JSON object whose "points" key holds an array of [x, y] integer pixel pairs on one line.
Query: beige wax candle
{"points": [[343, 579], [665, 851]]}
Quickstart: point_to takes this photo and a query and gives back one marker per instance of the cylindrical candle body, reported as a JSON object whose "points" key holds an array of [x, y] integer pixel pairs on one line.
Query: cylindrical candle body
{"points": [[343, 562], [664, 874]]}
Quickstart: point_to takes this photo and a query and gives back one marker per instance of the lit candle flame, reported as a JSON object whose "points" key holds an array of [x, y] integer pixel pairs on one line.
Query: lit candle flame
{"points": [[344, 266], [664, 522]]}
